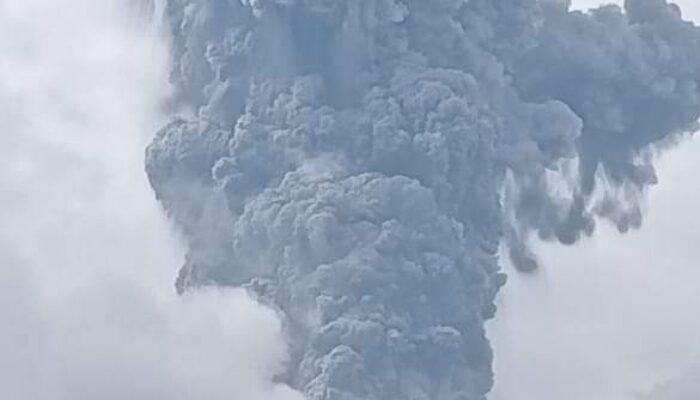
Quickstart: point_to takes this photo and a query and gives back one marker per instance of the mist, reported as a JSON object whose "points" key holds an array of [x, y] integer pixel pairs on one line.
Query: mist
{"points": [[87, 258]]}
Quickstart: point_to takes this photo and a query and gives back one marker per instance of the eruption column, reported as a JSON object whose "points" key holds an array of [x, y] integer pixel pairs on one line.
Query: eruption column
{"points": [[347, 163]]}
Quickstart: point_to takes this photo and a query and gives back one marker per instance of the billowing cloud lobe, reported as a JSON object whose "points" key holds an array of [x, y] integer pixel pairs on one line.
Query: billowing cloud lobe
{"points": [[356, 164]]}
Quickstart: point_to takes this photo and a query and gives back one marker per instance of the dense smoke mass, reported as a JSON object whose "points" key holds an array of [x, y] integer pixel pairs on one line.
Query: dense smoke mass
{"points": [[357, 164]]}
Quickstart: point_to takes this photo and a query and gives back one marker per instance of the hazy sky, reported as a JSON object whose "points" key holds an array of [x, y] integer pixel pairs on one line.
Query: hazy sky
{"points": [[616, 315], [87, 261]]}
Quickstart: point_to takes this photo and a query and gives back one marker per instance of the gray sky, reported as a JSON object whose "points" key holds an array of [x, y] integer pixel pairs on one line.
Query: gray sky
{"points": [[616, 315]]}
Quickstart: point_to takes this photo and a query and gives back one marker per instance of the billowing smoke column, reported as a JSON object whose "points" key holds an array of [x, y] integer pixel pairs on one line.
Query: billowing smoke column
{"points": [[357, 163]]}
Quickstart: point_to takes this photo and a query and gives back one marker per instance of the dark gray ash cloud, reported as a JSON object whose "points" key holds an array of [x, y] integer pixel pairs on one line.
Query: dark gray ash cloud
{"points": [[356, 164]]}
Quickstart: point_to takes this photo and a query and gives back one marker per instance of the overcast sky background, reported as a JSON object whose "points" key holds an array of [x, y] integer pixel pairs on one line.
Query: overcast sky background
{"points": [[616, 315], [87, 260]]}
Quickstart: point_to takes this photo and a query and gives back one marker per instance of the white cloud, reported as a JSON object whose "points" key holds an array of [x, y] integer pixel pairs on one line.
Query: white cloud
{"points": [[691, 8], [87, 261]]}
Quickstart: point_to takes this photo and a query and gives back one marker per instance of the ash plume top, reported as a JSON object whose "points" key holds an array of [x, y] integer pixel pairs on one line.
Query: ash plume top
{"points": [[356, 164]]}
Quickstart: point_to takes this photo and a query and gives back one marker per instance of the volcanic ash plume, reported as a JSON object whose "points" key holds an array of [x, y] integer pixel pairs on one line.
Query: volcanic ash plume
{"points": [[356, 164]]}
